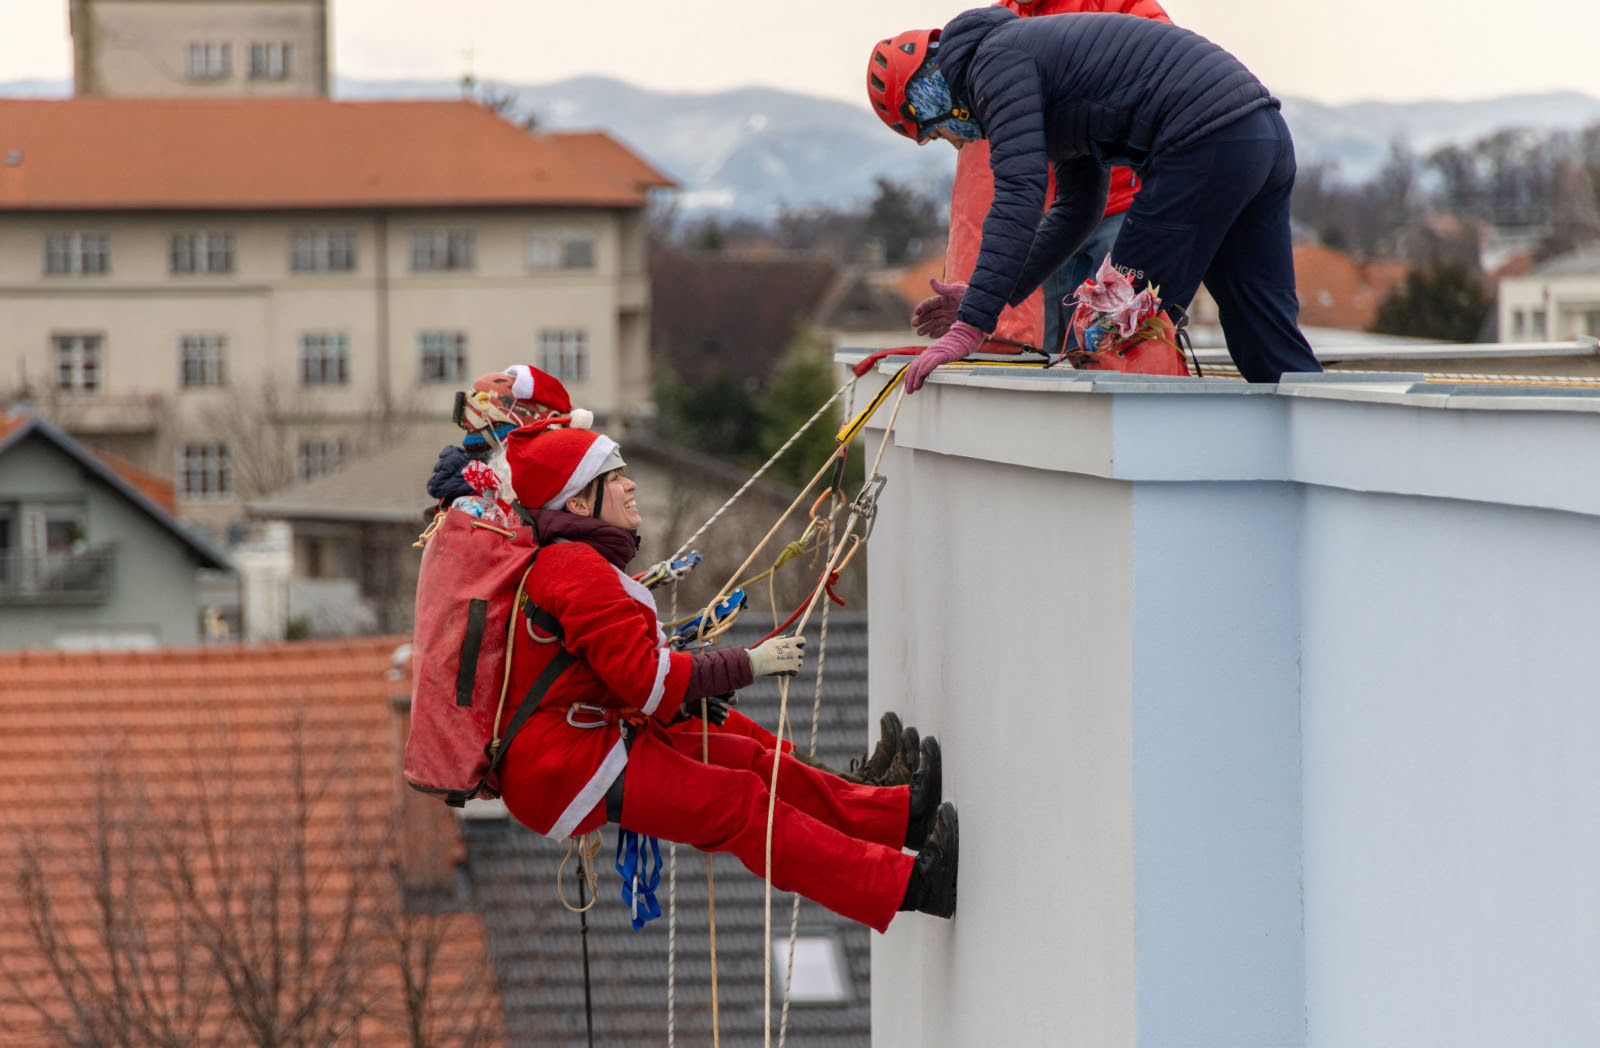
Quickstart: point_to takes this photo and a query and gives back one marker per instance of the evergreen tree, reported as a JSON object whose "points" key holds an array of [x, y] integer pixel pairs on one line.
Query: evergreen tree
{"points": [[1443, 302]]}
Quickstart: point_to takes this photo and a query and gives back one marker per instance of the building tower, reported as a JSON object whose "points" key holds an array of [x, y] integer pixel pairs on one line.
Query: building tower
{"points": [[200, 48]]}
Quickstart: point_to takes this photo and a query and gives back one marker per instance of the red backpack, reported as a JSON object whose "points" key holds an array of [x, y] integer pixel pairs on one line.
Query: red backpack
{"points": [[468, 592]]}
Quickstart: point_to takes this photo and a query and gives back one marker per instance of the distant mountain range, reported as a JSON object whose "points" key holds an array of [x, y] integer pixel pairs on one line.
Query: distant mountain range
{"points": [[756, 150]]}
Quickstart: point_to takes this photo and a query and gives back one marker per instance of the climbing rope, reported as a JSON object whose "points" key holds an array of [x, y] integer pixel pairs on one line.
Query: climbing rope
{"points": [[860, 507], [586, 847]]}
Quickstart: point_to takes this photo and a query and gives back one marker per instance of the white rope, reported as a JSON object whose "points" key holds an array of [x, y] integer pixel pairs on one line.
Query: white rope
{"points": [[672, 909], [832, 565], [776, 455]]}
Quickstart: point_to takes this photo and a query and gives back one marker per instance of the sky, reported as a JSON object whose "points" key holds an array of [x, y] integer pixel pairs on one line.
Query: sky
{"points": [[1330, 51]]}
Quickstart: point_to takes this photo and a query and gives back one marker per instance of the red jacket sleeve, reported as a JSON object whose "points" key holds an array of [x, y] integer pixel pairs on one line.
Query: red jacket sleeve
{"points": [[612, 630], [1139, 8]]}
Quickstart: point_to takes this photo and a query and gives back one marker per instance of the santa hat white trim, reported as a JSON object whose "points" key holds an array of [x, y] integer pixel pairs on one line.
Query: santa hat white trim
{"points": [[521, 381], [587, 469]]}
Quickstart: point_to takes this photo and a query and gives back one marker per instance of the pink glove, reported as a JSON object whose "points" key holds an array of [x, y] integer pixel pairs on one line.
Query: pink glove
{"points": [[933, 316], [961, 339]]}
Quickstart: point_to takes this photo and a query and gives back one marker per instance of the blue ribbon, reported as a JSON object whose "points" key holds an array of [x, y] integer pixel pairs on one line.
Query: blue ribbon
{"points": [[639, 879]]}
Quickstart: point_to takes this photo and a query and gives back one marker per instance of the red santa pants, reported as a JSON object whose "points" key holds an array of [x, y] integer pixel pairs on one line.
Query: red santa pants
{"points": [[835, 843]]}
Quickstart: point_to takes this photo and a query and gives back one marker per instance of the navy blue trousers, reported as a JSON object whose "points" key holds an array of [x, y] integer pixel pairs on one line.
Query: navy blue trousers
{"points": [[1218, 211]]}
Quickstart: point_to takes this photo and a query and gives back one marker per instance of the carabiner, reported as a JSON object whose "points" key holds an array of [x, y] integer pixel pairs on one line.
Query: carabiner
{"points": [[866, 504]]}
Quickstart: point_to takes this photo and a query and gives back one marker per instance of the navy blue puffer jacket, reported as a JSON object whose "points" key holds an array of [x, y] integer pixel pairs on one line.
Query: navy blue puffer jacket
{"points": [[1083, 92]]}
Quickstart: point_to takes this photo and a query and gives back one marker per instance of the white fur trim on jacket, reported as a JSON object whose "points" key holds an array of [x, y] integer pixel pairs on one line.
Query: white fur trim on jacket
{"points": [[592, 793]]}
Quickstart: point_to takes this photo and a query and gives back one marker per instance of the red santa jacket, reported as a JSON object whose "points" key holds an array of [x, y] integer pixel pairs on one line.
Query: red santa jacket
{"points": [[622, 664]]}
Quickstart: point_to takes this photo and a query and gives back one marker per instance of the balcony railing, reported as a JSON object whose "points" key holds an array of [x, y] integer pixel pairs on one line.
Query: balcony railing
{"points": [[56, 578]]}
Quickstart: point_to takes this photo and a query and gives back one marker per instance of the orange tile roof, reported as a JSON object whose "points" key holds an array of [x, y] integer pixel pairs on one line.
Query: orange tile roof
{"points": [[275, 154], [913, 284], [162, 753], [601, 149], [155, 487], [1338, 291]]}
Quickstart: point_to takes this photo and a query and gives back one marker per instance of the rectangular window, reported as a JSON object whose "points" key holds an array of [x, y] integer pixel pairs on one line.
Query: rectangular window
{"points": [[205, 470], [318, 250], [203, 252], [270, 61], [561, 249], [77, 253], [324, 359], [77, 362], [1519, 323], [318, 457], [210, 60], [202, 360], [442, 356], [1536, 322], [564, 353], [443, 247]]}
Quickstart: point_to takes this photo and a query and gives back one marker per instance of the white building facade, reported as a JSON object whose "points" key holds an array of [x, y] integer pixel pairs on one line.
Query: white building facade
{"points": [[1269, 711]]}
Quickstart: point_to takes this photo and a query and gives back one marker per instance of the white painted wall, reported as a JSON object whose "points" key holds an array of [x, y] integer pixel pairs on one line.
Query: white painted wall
{"points": [[1269, 712]]}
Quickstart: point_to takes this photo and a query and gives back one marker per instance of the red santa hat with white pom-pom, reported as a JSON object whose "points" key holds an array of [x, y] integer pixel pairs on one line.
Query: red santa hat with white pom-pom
{"points": [[556, 458], [539, 388]]}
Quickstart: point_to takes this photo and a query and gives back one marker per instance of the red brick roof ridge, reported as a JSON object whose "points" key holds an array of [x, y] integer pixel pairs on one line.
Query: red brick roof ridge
{"points": [[275, 154]]}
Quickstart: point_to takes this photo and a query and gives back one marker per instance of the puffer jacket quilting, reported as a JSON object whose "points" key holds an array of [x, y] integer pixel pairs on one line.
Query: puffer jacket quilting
{"points": [[1084, 91]]}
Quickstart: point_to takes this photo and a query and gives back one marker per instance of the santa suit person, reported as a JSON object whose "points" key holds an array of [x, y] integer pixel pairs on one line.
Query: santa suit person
{"points": [[598, 748]]}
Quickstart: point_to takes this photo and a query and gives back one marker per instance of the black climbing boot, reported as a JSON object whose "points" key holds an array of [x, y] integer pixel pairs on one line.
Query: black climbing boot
{"points": [[904, 764], [870, 770], [927, 790], [932, 887]]}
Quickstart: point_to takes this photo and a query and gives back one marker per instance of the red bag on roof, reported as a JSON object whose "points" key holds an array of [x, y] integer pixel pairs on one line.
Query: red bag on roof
{"points": [[467, 592]]}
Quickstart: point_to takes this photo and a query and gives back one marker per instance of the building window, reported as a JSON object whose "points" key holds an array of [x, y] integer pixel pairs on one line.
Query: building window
{"points": [[443, 356], [441, 247], [318, 457], [202, 360], [77, 360], [561, 249], [324, 359], [1519, 323], [205, 470], [818, 974], [210, 60], [1536, 322], [206, 252], [312, 250], [564, 353], [270, 61], [77, 253]]}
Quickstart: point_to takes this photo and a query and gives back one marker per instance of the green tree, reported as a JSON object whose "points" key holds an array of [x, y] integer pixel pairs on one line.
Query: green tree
{"points": [[900, 219], [1443, 302], [802, 383]]}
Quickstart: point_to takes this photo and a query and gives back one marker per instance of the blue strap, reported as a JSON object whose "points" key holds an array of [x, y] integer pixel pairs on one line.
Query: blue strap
{"points": [[639, 879]]}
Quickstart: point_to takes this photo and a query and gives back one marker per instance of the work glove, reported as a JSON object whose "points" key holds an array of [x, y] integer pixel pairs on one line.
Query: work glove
{"points": [[933, 316], [778, 657], [961, 339], [716, 708]]}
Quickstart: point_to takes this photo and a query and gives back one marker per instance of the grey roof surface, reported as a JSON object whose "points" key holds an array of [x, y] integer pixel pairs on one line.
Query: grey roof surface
{"points": [[389, 485], [536, 944], [1581, 263]]}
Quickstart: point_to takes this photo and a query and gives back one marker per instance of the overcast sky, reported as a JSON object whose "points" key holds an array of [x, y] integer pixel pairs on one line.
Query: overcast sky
{"points": [[1328, 50]]}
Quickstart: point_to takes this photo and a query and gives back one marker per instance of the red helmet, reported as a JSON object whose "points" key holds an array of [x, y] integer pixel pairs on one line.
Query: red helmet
{"points": [[894, 62]]}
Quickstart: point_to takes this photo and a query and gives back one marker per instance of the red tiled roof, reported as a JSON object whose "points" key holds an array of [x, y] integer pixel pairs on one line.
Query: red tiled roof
{"points": [[178, 747], [913, 284], [1338, 291], [274, 154], [155, 487], [601, 149]]}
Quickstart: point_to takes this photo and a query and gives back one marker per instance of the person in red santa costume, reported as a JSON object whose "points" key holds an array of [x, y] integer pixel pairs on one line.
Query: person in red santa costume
{"points": [[606, 742]]}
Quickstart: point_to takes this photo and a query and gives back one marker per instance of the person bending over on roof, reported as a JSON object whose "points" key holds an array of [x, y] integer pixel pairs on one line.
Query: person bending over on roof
{"points": [[1083, 93], [599, 745], [974, 189]]}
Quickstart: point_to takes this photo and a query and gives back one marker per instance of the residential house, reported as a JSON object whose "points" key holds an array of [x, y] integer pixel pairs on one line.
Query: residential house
{"points": [[197, 48], [214, 846], [1554, 300], [240, 293], [90, 553]]}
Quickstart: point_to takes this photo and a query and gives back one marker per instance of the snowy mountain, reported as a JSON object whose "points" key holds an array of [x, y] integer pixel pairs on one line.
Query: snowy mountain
{"points": [[756, 150]]}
